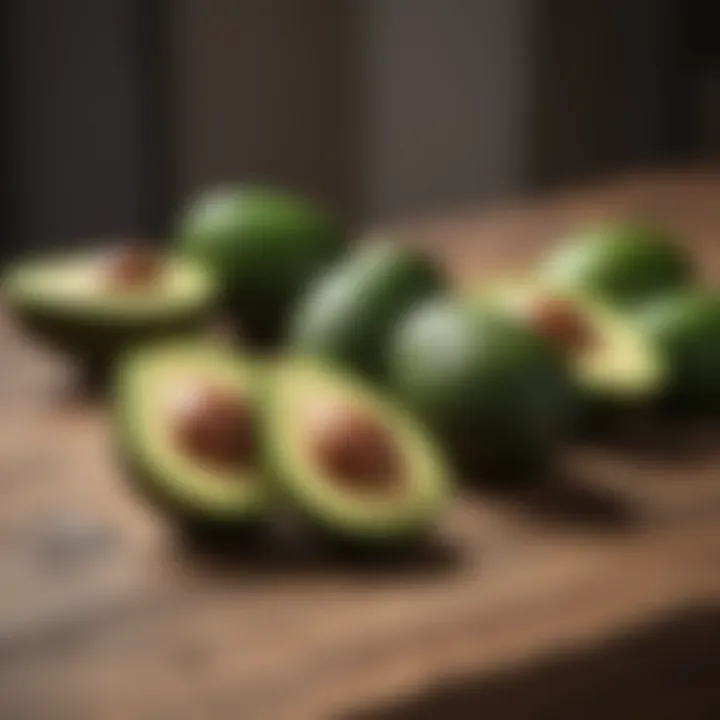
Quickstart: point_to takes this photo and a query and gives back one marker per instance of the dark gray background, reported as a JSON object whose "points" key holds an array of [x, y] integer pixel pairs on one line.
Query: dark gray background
{"points": [[117, 110]]}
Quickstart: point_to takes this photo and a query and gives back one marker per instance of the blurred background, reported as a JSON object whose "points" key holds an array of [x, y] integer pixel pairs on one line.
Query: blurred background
{"points": [[117, 110]]}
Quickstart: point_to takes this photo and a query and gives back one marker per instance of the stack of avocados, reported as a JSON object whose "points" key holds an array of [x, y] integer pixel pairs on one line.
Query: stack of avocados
{"points": [[376, 383]]}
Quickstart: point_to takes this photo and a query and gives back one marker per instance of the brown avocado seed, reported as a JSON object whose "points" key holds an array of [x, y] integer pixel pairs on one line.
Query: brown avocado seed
{"points": [[213, 425], [131, 265], [559, 321], [353, 447]]}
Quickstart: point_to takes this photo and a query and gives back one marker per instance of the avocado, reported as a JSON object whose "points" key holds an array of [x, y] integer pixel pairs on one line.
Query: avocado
{"points": [[498, 394], [94, 304], [348, 459], [620, 263], [348, 315], [686, 329], [263, 246], [610, 360], [185, 421]]}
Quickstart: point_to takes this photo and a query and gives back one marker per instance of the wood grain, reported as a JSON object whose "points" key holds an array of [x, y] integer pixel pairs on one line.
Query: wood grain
{"points": [[104, 613]]}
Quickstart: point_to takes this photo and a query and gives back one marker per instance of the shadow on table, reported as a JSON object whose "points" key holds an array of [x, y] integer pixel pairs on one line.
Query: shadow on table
{"points": [[672, 438], [667, 671], [562, 498], [285, 550]]}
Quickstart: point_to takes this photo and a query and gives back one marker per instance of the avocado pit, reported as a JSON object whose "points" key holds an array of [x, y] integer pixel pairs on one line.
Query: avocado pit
{"points": [[561, 322], [354, 447], [131, 265], [213, 425]]}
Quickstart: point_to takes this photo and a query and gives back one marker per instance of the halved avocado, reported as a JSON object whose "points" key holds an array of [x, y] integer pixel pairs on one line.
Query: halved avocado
{"points": [[201, 463], [351, 461], [91, 307], [622, 263], [347, 316], [610, 359]]}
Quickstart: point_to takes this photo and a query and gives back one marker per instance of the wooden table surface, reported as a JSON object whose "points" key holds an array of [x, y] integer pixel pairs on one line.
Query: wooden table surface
{"points": [[602, 584]]}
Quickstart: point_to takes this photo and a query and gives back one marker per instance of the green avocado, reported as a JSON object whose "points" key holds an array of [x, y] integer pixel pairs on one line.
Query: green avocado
{"points": [[619, 263], [263, 246], [686, 330], [348, 315], [498, 394], [616, 365], [65, 302], [149, 384], [398, 506]]}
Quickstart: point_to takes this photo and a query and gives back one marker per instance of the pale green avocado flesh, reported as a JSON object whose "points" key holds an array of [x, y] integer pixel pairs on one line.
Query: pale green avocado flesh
{"points": [[297, 386], [74, 286], [147, 382], [618, 363]]}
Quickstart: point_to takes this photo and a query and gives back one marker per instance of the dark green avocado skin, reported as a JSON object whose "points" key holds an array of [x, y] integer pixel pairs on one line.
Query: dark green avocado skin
{"points": [[263, 246], [499, 395], [620, 263], [348, 316], [97, 344], [686, 329]]}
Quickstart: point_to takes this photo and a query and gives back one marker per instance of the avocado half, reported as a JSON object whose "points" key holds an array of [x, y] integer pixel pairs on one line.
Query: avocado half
{"points": [[498, 394], [347, 316], [619, 366], [193, 492], [350, 514], [621, 263], [685, 328], [263, 246], [64, 303]]}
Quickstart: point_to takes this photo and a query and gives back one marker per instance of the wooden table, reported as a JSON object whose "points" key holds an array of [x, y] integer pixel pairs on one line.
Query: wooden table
{"points": [[593, 596]]}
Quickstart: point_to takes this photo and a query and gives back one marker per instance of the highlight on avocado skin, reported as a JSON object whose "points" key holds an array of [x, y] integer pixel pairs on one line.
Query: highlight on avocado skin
{"points": [[498, 394], [349, 314], [685, 328], [620, 262], [263, 246]]}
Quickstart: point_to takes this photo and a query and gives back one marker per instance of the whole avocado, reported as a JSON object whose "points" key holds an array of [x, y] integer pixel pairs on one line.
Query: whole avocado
{"points": [[622, 263], [264, 246], [348, 315], [686, 330], [498, 394]]}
